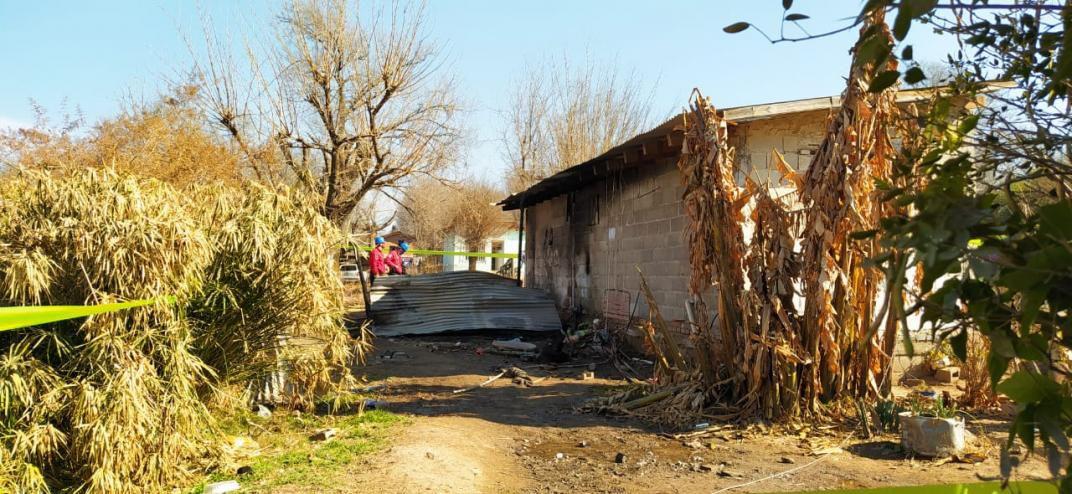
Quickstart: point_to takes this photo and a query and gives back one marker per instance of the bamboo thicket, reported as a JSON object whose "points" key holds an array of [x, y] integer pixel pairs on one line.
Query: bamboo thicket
{"points": [[115, 402]]}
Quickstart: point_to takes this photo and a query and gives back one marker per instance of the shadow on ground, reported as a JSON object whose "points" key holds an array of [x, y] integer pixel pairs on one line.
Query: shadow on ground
{"points": [[423, 381]]}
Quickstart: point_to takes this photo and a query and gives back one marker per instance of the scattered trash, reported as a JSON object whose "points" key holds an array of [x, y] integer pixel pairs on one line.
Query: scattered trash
{"points": [[394, 354], [514, 344], [324, 435], [244, 470], [587, 375], [222, 487], [619, 458], [582, 444], [560, 456], [519, 376], [701, 426], [371, 404], [263, 412], [694, 444]]}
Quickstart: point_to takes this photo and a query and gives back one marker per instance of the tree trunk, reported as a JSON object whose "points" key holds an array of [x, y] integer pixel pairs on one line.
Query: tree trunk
{"points": [[473, 247]]}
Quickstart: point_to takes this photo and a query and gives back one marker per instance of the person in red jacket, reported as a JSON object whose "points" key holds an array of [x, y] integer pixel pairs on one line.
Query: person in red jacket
{"points": [[394, 259], [377, 263]]}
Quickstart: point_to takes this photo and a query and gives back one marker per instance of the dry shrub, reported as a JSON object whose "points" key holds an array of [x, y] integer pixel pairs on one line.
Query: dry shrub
{"points": [[978, 392], [272, 301], [164, 139], [115, 402]]}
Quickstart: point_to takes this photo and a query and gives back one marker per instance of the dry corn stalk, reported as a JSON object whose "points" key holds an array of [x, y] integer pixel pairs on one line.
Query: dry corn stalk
{"points": [[840, 198], [765, 359]]}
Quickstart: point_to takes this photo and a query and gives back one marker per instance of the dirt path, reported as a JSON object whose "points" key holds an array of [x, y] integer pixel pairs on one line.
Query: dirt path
{"points": [[510, 438]]}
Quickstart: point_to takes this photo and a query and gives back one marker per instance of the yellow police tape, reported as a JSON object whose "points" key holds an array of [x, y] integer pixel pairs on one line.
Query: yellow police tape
{"points": [[22, 317], [425, 252]]}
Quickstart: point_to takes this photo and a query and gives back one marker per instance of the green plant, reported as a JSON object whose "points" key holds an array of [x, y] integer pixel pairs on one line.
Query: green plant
{"points": [[289, 458], [888, 413]]}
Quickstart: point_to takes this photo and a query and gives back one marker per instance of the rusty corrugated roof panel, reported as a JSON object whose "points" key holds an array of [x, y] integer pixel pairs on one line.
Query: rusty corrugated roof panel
{"points": [[579, 175], [458, 301]]}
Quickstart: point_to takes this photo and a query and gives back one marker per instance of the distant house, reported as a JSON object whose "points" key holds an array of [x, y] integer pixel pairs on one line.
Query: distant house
{"points": [[505, 243], [589, 227]]}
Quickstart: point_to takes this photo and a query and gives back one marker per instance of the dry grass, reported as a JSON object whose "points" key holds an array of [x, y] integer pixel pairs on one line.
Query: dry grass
{"points": [[115, 402]]}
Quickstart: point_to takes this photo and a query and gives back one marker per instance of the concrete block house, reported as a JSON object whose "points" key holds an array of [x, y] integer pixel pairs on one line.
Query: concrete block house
{"points": [[589, 227]]}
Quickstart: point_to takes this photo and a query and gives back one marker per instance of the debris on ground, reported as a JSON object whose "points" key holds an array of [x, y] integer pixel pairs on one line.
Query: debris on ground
{"points": [[222, 487], [394, 355], [371, 404], [519, 376], [324, 434], [263, 412], [515, 344]]}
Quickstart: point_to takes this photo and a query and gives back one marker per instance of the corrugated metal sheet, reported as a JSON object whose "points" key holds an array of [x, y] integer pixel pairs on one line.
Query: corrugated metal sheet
{"points": [[458, 301]]}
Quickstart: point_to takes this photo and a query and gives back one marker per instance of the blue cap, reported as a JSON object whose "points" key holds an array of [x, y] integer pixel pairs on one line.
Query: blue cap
{"points": [[379, 240], [404, 245]]}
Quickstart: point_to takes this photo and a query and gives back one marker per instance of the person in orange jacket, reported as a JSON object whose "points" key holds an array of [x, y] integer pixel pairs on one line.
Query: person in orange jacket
{"points": [[394, 259], [377, 263]]}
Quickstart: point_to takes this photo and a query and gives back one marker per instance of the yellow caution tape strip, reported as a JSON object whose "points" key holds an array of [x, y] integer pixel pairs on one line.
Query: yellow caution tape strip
{"points": [[22, 317], [424, 252]]}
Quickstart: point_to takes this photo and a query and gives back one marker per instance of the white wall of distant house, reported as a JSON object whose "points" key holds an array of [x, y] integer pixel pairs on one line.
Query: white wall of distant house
{"points": [[455, 243]]}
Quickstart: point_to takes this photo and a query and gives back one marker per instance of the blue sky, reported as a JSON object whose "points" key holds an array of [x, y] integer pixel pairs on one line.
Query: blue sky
{"points": [[90, 55]]}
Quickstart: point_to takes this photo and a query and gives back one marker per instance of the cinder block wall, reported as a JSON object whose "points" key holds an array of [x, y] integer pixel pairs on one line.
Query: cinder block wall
{"points": [[641, 222], [631, 220]]}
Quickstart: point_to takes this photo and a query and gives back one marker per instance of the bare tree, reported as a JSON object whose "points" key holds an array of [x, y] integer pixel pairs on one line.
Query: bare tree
{"points": [[342, 103], [563, 114], [476, 217], [432, 209], [426, 211]]}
